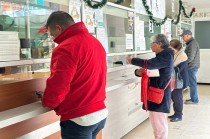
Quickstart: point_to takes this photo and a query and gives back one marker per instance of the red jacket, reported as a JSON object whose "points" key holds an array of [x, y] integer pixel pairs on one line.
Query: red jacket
{"points": [[77, 82]]}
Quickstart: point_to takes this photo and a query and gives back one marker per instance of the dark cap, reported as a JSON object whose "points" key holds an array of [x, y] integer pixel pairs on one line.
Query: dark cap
{"points": [[186, 32]]}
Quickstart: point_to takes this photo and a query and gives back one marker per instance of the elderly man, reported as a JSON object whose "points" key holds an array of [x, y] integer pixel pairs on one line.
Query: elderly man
{"points": [[193, 53]]}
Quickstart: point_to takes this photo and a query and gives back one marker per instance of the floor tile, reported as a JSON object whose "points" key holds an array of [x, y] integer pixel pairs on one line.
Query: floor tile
{"points": [[194, 125]]}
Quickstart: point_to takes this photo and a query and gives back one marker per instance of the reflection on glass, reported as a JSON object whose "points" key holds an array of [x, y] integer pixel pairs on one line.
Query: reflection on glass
{"points": [[26, 17], [10, 18], [41, 43]]}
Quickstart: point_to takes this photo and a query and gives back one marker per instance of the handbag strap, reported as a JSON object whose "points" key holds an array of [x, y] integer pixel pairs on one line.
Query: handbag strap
{"points": [[179, 52], [178, 72], [145, 65], [167, 85]]}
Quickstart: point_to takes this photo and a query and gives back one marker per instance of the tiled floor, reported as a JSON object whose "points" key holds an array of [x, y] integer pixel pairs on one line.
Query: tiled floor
{"points": [[194, 125]]}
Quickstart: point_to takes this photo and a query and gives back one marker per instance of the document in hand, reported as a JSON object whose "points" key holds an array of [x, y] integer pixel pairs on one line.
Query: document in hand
{"points": [[149, 55]]}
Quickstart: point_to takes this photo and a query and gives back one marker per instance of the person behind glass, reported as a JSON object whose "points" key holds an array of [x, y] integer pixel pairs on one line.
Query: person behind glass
{"points": [[76, 86], [164, 63], [193, 53], [180, 63]]}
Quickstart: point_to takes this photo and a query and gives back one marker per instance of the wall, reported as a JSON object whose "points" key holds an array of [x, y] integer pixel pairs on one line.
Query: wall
{"points": [[201, 29]]}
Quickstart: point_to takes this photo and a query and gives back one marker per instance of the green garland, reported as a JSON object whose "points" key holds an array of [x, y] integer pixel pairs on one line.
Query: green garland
{"points": [[150, 14], [191, 13], [178, 16], [181, 7], [96, 5]]}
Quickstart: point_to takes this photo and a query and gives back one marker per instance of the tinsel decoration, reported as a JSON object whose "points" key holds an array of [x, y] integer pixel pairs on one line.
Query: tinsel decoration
{"points": [[181, 7], [96, 5]]}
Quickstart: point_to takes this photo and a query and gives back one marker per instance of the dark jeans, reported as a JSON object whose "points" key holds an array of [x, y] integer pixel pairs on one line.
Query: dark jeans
{"points": [[71, 130], [177, 98]]}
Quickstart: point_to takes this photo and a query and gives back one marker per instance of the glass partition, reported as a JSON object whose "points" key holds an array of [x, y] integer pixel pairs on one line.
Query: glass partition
{"points": [[25, 72], [12, 17], [185, 26], [175, 31], [119, 28], [41, 43], [126, 3], [27, 17], [147, 33]]}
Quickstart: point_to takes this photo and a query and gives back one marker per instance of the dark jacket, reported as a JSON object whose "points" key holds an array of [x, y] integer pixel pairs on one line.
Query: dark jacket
{"points": [[183, 68], [193, 53], [164, 62], [76, 86]]}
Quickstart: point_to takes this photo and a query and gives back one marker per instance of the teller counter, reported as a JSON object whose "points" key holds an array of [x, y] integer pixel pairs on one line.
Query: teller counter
{"points": [[22, 115]]}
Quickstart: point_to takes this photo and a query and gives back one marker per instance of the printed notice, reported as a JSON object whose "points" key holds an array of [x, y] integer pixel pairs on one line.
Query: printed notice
{"points": [[99, 22], [74, 10], [100, 35], [88, 19], [129, 41]]}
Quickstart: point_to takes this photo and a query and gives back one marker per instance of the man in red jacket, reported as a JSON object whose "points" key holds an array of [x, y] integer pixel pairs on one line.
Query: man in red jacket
{"points": [[76, 86]]}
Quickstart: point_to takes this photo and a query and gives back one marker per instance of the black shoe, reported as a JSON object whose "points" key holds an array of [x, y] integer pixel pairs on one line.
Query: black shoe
{"points": [[170, 117], [188, 100], [175, 119]]}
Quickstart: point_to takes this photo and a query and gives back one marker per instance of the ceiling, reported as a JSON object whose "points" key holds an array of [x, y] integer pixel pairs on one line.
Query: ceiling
{"points": [[188, 4], [198, 4]]}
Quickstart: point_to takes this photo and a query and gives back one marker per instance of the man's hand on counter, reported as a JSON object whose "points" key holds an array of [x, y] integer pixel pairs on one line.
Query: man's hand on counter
{"points": [[39, 94]]}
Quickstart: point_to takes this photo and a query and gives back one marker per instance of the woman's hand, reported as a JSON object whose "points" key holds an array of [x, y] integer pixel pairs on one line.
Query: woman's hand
{"points": [[129, 59], [139, 72]]}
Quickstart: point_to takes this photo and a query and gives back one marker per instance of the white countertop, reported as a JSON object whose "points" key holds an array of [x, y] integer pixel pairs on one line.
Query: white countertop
{"points": [[22, 113]]}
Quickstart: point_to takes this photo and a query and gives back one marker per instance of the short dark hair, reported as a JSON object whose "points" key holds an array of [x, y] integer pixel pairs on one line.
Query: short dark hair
{"points": [[176, 44], [59, 18]]}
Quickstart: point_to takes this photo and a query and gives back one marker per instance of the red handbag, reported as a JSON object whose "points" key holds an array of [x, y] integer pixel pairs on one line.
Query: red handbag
{"points": [[144, 85], [149, 93], [156, 94]]}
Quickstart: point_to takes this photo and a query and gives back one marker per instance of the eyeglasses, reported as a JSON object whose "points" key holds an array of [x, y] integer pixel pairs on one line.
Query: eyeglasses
{"points": [[152, 43]]}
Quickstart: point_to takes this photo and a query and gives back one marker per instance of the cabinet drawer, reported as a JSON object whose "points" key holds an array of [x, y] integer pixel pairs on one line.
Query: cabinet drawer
{"points": [[117, 98]]}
